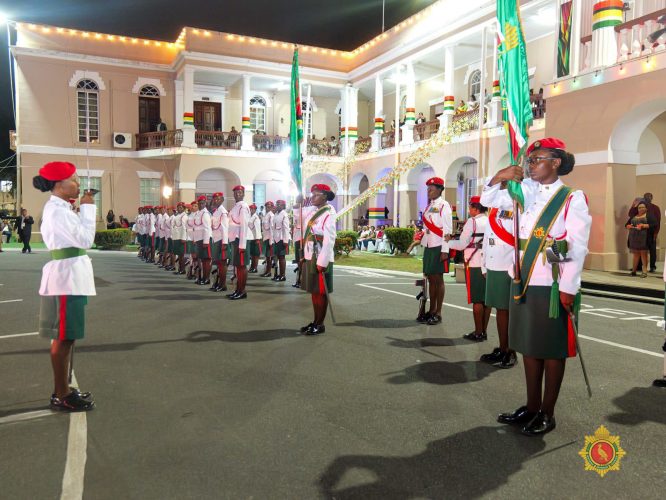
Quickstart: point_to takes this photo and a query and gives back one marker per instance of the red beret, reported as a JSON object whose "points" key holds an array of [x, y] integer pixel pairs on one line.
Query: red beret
{"points": [[202, 198], [57, 170], [435, 181], [269, 203], [320, 187], [253, 206], [218, 194], [474, 199], [180, 204], [171, 208], [282, 202], [238, 188], [149, 207], [547, 143], [194, 202]]}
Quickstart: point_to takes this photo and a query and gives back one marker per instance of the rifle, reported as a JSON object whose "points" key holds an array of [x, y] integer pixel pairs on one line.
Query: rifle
{"points": [[422, 297]]}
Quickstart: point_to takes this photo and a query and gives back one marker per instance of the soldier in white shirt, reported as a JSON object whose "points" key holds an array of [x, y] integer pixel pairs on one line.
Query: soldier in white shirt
{"points": [[238, 219], [137, 229], [220, 238], [168, 230], [497, 260], [471, 244], [67, 279], [437, 222], [281, 235], [555, 216], [202, 235], [254, 238], [297, 236], [267, 233], [158, 235], [319, 238], [151, 222], [191, 248], [179, 236]]}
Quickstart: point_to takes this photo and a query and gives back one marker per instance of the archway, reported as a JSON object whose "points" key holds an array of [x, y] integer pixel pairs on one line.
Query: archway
{"points": [[332, 181], [417, 191], [271, 185], [380, 202], [359, 183], [461, 184], [217, 179]]}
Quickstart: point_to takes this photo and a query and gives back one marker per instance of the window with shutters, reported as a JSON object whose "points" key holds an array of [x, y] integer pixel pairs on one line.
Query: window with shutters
{"points": [[87, 99], [258, 114]]}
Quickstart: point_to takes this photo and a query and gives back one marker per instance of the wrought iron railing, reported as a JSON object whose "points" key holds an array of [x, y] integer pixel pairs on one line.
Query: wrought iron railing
{"points": [[157, 140], [269, 143], [425, 130], [322, 147], [217, 140]]}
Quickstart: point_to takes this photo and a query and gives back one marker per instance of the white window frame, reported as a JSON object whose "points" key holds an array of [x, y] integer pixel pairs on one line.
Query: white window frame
{"points": [[87, 93], [257, 114], [149, 191], [475, 82]]}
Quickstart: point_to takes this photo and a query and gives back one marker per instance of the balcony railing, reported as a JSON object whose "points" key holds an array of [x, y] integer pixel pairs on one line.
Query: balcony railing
{"points": [[157, 140], [426, 130], [322, 147], [471, 115], [269, 143], [538, 106], [363, 145], [217, 140]]}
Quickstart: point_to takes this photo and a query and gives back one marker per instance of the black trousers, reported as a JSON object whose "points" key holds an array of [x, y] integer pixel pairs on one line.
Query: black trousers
{"points": [[26, 243], [652, 250]]}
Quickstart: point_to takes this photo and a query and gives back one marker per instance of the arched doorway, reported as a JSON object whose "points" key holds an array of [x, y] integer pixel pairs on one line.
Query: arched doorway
{"points": [[332, 181], [217, 179], [359, 184], [418, 191], [461, 184], [271, 185], [382, 201]]}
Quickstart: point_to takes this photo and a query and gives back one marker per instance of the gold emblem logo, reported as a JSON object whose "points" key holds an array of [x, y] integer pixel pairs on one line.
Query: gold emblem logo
{"points": [[510, 37], [602, 452], [539, 233]]}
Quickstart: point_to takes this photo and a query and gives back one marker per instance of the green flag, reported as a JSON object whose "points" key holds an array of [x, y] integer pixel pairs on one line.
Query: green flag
{"points": [[296, 126], [514, 85]]}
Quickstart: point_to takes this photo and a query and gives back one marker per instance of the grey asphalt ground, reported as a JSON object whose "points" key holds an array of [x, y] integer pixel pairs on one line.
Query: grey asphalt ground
{"points": [[199, 397]]}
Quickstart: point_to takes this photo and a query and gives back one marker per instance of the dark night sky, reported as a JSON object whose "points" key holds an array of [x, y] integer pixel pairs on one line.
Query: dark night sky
{"points": [[338, 24]]}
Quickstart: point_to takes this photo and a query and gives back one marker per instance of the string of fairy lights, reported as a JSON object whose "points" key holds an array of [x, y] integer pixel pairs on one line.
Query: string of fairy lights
{"points": [[229, 37]]}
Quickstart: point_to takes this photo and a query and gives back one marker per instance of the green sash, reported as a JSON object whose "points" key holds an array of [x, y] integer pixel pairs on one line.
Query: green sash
{"points": [[538, 239], [313, 219], [67, 253]]}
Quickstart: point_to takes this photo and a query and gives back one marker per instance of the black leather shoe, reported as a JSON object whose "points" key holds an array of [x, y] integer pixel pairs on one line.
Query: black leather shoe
{"points": [[508, 360], [239, 296], [424, 318], [281, 278], [253, 271], [221, 288], [519, 416], [213, 288], [265, 275], [205, 282], [539, 425], [306, 327], [234, 293], [84, 395], [476, 337], [434, 319], [660, 382], [493, 357], [296, 285], [72, 402], [315, 330]]}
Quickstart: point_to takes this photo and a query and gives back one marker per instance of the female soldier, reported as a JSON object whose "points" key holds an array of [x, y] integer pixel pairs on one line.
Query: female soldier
{"points": [[319, 238], [67, 280], [554, 216]]}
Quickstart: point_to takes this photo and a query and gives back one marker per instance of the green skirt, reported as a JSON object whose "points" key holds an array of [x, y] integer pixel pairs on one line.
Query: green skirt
{"points": [[216, 251], [498, 289], [476, 285], [178, 247], [63, 317], [297, 251], [203, 250], [190, 248], [279, 249], [311, 278], [254, 248], [239, 258], [267, 248], [432, 261], [169, 245], [532, 333]]}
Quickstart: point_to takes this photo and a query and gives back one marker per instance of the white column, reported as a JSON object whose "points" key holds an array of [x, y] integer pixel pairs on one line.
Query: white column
{"points": [[577, 15], [379, 115], [246, 133], [495, 105], [349, 130], [449, 99], [179, 103], [604, 40], [189, 132], [482, 88], [410, 105]]}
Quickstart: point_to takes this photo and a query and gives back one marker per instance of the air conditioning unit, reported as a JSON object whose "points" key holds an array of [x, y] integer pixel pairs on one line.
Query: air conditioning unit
{"points": [[122, 140]]}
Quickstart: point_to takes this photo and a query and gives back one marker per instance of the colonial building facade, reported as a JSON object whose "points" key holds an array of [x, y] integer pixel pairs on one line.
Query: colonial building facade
{"points": [[154, 122]]}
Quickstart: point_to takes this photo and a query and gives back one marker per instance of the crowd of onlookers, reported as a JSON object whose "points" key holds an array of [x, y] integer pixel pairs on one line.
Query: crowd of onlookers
{"points": [[373, 239], [643, 225]]}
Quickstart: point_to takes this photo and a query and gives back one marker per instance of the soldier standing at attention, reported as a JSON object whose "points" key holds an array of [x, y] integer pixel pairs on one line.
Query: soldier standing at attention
{"points": [[67, 279], [202, 234], [238, 220], [179, 236], [220, 229], [297, 235], [471, 243], [267, 233], [281, 237], [254, 238], [191, 248], [438, 223]]}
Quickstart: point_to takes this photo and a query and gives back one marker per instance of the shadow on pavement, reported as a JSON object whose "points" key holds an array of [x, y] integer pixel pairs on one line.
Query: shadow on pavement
{"points": [[468, 464], [381, 323], [639, 405], [442, 373], [433, 342], [251, 336]]}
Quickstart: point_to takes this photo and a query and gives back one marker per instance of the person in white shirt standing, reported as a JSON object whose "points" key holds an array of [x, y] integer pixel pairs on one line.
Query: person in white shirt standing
{"points": [[281, 235], [297, 236], [497, 261], [254, 238], [151, 223], [471, 243], [179, 236], [202, 235], [438, 223], [220, 238], [190, 248], [267, 232], [67, 280], [238, 219]]}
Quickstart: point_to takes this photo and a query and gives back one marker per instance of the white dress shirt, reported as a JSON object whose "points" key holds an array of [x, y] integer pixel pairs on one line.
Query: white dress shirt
{"points": [[324, 227], [439, 213], [238, 219], [63, 228], [266, 227], [202, 226], [468, 242], [220, 225], [498, 255], [254, 228], [280, 227], [190, 226], [179, 226], [572, 224]]}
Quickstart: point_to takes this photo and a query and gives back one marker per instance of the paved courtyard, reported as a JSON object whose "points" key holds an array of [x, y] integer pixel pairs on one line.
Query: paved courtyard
{"points": [[200, 397]]}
